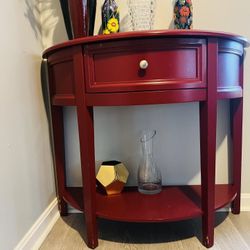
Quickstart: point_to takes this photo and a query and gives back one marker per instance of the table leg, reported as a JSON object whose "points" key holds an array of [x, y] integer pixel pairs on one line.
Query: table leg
{"points": [[208, 152], [236, 110], [86, 138], [59, 156]]}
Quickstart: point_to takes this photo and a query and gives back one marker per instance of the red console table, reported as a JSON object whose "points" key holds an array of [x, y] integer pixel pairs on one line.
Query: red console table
{"points": [[139, 68]]}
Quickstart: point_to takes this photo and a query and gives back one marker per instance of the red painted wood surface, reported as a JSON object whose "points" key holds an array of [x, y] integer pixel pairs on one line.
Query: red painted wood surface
{"points": [[172, 204], [236, 110], [172, 64], [149, 34], [145, 97], [208, 116], [184, 66], [86, 139], [236, 115], [58, 135], [177, 60]]}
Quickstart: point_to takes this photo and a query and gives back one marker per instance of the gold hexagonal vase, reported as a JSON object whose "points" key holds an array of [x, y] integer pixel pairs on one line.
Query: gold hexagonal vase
{"points": [[111, 177]]}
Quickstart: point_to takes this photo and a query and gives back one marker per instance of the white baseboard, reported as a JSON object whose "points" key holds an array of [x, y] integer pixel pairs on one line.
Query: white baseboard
{"points": [[33, 239], [245, 202]]}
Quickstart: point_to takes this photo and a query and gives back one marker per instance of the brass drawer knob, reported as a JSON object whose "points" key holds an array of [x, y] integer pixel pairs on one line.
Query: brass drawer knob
{"points": [[143, 64]]}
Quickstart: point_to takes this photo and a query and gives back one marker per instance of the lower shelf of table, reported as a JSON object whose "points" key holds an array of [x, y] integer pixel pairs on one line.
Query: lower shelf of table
{"points": [[172, 204]]}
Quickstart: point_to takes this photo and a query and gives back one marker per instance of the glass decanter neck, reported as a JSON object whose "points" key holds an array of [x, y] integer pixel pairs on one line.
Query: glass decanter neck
{"points": [[147, 141]]}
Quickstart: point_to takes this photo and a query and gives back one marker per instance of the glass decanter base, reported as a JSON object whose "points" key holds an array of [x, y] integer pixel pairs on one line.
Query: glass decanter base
{"points": [[149, 188]]}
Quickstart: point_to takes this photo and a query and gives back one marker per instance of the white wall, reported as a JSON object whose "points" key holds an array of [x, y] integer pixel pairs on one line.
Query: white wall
{"points": [[177, 141], [26, 170]]}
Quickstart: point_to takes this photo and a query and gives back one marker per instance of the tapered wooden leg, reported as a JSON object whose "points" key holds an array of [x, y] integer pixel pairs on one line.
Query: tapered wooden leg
{"points": [[86, 135], [59, 156], [208, 115], [87, 151], [208, 151], [236, 110]]}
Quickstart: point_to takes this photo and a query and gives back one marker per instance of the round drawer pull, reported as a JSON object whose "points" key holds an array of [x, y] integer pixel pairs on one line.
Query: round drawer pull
{"points": [[143, 64]]}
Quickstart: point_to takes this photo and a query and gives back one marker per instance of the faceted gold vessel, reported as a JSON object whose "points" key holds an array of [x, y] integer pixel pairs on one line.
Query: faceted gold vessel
{"points": [[111, 177]]}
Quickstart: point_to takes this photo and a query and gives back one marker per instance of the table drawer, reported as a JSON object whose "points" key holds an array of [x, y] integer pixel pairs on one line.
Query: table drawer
{"points": [[172, 64]]}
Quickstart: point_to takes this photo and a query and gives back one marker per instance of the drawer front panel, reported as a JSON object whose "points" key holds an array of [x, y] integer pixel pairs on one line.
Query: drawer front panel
{"points": [[172, 64], [62, 80], [62, 75], [230, 60]]}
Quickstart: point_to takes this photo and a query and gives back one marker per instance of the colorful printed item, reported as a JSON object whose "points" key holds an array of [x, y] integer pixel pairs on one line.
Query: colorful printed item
{"points": [[183, 14], [110, 17]]}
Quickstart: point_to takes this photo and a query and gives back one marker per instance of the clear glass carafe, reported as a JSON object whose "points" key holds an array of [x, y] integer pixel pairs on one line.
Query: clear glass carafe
{"points": [[149, 176]]}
